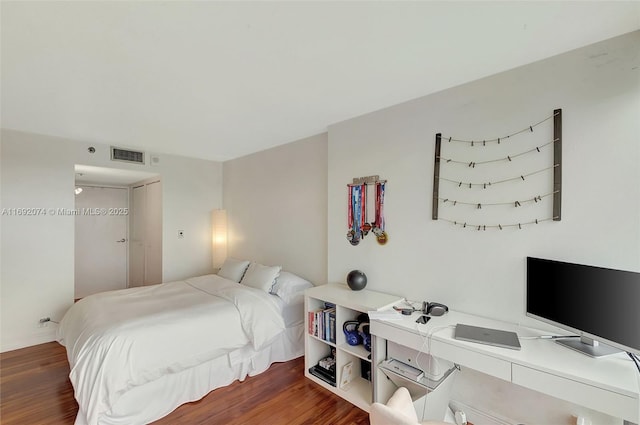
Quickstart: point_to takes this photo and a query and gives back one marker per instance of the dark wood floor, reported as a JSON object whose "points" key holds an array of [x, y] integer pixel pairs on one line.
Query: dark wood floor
{"points": [[35, 389]]}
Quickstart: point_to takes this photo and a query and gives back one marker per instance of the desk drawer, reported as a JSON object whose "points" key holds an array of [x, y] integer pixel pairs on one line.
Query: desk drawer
{"points": [[474, 360], [602, 400]]}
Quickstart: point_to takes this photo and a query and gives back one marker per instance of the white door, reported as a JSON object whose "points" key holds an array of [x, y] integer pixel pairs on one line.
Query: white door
{"points": [[101, 240]]}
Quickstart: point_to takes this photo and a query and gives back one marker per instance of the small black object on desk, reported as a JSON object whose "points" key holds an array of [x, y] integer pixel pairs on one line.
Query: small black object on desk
{"points": [[423, 319]]}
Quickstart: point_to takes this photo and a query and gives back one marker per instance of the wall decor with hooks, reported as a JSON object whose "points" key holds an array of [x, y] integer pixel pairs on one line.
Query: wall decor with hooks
{"points": [[509, 172], [359, 221]]}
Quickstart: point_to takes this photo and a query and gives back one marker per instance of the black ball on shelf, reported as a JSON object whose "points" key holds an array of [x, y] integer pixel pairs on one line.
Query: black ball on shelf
{"points": [[356, 280]]}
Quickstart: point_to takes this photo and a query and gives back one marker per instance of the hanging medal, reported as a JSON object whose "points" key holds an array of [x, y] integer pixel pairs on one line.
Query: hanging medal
{"points": [[381, 235], [360, 205], [376, 224], [357, 214], [350, 232], [366, 227]]}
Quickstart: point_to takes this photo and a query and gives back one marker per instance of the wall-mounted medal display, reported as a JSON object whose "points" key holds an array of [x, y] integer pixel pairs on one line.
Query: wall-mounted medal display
{"points": [[509, 181], [358, 223]]}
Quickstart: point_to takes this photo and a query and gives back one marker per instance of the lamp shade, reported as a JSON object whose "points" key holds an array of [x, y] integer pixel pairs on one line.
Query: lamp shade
{"points": [[219, 237]]}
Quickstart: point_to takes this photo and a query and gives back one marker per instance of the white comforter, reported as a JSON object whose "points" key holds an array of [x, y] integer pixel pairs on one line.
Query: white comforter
{"points": [[122, 339]]}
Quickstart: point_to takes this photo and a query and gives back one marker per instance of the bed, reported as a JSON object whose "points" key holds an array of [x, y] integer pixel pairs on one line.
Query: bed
{"points": [[136, 354]]}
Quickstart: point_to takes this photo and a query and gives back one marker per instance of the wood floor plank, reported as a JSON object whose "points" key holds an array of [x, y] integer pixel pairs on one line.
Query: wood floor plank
{"points": [[35, 390], [34, 386]]}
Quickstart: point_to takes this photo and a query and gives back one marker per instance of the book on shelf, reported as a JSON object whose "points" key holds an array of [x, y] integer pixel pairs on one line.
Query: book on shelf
{"points": [[322, 323], [323, 374]]}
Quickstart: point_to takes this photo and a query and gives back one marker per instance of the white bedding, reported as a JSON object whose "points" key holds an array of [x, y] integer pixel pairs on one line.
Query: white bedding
{"points": [[120, 340]]}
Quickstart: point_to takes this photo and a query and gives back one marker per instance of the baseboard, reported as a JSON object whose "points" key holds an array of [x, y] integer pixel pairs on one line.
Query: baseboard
{"points": [[40, 338]]}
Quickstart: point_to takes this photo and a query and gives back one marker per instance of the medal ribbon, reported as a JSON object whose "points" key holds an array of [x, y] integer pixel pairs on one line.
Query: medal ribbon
{"points": [[381, 208], [377, 205], [350, 208], [380, 205], [363, 197], [357, 209]]}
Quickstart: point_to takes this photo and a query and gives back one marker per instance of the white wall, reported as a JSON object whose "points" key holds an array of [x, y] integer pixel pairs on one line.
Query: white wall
{"points": [[483, 272], [37, 263], [276, 202]]}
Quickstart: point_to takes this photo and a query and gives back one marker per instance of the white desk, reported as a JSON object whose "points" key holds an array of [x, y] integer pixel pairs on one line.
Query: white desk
{"points": [[608, 384]]}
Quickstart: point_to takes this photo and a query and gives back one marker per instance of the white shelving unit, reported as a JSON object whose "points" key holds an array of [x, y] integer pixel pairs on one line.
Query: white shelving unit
{"points": [[349, 304]]}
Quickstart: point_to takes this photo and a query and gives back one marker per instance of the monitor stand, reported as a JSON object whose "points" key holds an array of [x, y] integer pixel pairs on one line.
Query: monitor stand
{"points": [[589, 346]]}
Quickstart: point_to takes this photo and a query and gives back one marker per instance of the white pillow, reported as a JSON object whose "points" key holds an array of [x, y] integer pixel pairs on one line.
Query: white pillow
{"points": [[233, 269], [290, 287], [261, 277]]}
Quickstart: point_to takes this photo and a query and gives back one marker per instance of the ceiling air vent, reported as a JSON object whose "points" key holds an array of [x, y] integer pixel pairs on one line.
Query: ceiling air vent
{"points": [[127, 155]]}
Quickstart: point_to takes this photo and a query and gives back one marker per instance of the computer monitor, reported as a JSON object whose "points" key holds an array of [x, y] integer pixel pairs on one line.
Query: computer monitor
{"points": [[599, 304]]}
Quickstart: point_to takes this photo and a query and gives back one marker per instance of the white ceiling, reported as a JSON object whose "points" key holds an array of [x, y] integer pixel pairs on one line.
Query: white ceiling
{"points": [[218, 80]]}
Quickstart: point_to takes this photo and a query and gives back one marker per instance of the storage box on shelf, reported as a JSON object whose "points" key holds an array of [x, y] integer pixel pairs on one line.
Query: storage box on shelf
{"points": [[327, 307]]}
